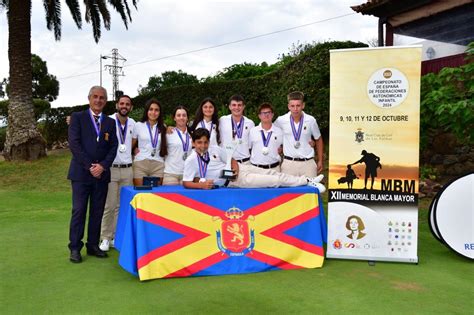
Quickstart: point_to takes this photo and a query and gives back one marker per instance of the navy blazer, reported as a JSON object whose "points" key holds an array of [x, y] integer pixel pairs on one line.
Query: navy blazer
{"points": [[87, 150]]}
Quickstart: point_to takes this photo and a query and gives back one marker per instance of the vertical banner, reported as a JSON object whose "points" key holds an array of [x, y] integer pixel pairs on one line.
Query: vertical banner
{"points": [[374, 153]]}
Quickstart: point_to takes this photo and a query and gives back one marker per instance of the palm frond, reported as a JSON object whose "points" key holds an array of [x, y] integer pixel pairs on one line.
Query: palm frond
{"points": [[128, 10], [75, 12], [53, 16], [95, 9], [134, 2], [105, 13], [120, 8], [92, 15]]}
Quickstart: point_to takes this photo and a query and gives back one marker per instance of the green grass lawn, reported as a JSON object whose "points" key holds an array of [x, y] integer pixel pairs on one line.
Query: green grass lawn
{"points": [[37, 277]]}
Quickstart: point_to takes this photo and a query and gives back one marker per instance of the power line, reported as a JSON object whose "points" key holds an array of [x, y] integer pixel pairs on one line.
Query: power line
{"points": [[222, 44], [239, 40], [85, 67]]}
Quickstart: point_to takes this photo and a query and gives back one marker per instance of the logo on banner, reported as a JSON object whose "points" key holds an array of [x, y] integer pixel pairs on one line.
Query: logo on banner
{"points": [[359, 135], [235, 238], [387, 88], [337, 244]]}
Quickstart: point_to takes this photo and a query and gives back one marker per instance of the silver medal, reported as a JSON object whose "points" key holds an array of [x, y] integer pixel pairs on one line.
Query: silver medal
{"points": [[265, 151], [185, 156], [122, 148], [153, 152], [297, 144], [240, 141]]}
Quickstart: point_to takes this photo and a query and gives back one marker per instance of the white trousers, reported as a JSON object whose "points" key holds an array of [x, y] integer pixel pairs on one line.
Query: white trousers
{"points": [[119, 177], [300, 168], [255, 177]]}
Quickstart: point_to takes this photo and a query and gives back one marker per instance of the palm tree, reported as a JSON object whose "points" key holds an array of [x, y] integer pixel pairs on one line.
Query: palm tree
{"points": [[23, 140]]}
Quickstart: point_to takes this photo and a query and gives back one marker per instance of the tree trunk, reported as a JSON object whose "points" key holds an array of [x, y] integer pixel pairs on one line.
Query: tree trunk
{"points": [[23, 139]]}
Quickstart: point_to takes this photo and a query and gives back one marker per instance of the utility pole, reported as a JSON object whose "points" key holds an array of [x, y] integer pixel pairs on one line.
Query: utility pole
{"points": [[115, 70], [100, 60]]}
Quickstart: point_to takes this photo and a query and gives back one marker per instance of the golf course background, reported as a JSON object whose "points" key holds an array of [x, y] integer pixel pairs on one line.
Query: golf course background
{"points": [[37, 277]]}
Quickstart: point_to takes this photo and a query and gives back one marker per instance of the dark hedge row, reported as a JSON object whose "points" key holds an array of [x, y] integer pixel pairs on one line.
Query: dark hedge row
{"points": [[308, 72]]}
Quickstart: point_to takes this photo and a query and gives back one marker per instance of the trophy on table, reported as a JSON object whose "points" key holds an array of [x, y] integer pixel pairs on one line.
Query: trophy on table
{"points": [[227, 172]]}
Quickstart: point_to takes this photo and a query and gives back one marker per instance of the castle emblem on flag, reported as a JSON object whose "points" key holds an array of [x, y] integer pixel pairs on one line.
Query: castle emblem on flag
{"points": [[235, 238]]}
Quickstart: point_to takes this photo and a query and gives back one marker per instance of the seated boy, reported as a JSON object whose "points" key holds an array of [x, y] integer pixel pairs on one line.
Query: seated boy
{"points": [[203, 168]]}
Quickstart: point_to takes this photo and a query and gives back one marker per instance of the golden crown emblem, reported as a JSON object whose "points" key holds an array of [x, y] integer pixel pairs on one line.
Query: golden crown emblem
{"points": [[234, 213]]}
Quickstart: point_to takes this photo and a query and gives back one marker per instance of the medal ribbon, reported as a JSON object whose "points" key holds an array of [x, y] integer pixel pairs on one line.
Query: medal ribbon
{"points": [[203, 125], [237, 129], [97, 123], [203, 161], [185, 144], [154, 138], [266, 140], [123, 131], [296, 134]]}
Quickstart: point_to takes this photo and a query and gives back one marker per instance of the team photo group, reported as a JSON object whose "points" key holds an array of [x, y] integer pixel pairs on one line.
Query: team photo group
{"points": [[110, 152]]}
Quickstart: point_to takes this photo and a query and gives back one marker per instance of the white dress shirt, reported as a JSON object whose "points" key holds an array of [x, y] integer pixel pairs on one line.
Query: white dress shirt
{"points": [[310, 128], [256, 144], [126, 156], [217, 162], [174, 163], [140, 132], [225, 127], [213, 132]]}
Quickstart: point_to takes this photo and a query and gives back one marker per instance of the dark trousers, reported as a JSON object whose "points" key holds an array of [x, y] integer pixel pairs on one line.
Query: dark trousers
{"points": [[94, 193]]}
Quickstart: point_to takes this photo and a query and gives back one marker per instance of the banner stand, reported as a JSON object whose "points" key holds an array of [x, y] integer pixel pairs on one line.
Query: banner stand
{"points": [[374, 154]]}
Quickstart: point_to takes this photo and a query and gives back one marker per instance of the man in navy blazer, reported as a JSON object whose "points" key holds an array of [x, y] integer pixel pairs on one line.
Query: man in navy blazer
{"points": [[93, 143]]}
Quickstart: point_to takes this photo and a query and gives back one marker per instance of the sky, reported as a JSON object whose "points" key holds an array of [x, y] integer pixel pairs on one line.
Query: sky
{"points": [[162, 29]]}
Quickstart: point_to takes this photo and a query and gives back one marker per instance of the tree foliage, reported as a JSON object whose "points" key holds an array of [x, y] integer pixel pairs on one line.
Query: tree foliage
{"points": [[447, 100], [23, 139], [167, 79], [242, 71]]}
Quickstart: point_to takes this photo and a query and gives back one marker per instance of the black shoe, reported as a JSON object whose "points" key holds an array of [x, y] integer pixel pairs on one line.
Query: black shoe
{"points": [[95, 251], [75, 256]]}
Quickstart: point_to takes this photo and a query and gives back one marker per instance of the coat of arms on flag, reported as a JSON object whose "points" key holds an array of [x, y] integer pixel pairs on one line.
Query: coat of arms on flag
{"points": [[237, 238], [228, 231]]}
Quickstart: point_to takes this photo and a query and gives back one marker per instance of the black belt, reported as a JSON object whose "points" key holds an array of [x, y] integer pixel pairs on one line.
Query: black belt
{"points": [[297, 159], [243, 160], [122, 165], [268, 166]]}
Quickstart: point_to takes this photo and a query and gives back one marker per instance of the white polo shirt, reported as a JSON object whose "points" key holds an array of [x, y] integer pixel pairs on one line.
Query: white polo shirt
{"points": [[124, 157], [256, 144], [310, 128], [140, 132], [213, 132], [225, 128], [174, 163], [217, 162]]}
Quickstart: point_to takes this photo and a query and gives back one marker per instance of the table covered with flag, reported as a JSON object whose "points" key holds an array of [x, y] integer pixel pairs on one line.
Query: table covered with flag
{"points": [[171, 231]]}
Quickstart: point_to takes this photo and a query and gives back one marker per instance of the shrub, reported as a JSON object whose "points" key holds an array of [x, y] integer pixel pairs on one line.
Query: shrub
{"points": [[447, 101]]}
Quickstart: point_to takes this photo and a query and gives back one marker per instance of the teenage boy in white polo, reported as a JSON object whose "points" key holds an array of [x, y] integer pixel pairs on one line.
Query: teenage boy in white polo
{"points": [[298, 129], [202, 170], [236, 128], [265, 140]]}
